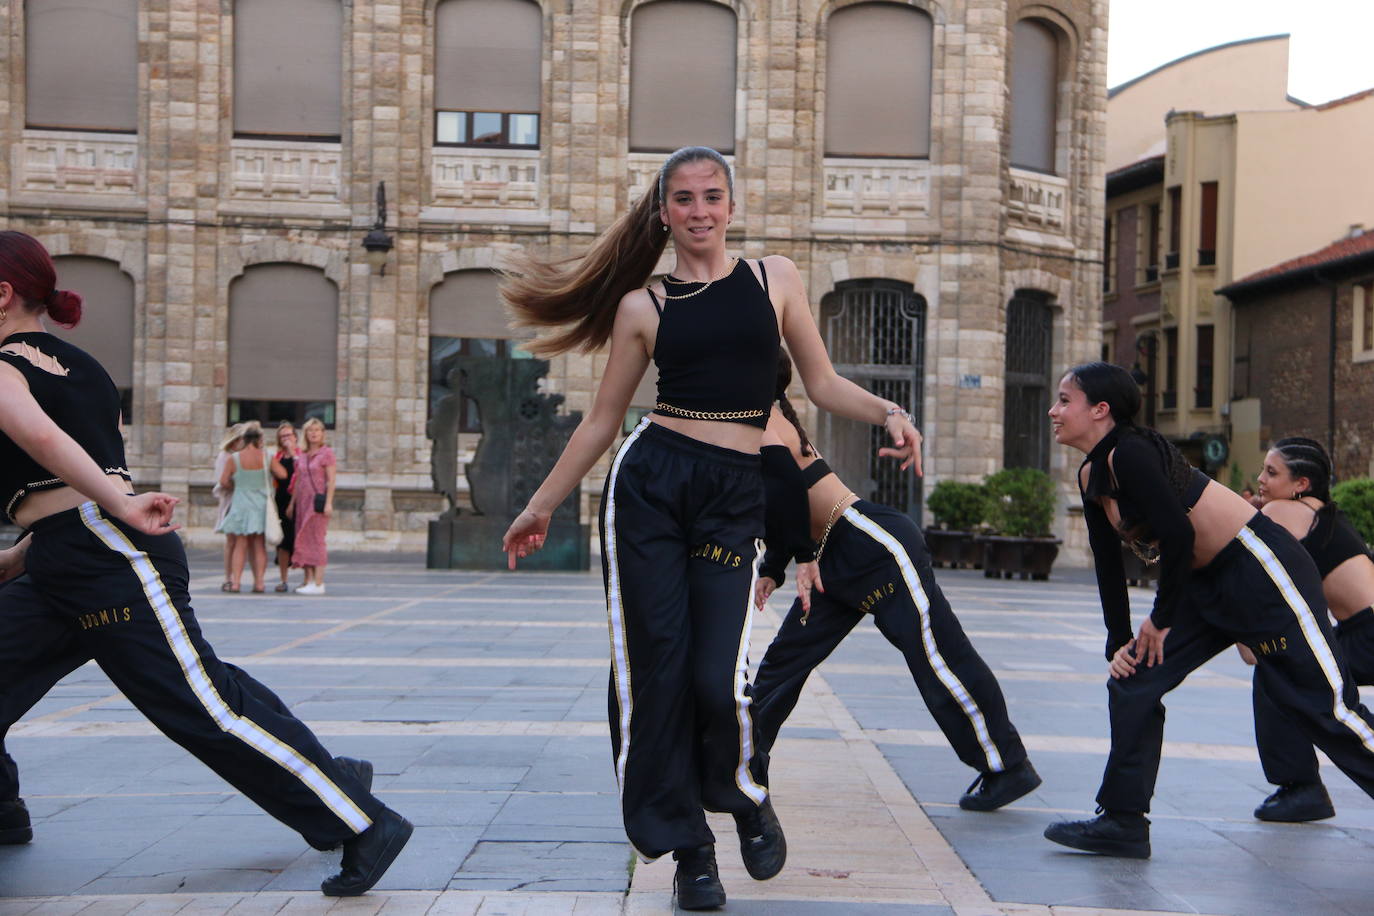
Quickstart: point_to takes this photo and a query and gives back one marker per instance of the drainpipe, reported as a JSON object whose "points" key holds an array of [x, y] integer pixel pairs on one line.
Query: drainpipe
{"points": [[1330, 366]]}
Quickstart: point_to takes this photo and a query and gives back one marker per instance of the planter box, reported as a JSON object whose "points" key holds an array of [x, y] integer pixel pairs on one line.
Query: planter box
{"points": [[954, 549], [1138, 572], [1029, 558]]}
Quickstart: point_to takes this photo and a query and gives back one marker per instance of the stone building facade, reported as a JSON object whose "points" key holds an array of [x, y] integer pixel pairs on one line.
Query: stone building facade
{"points": [[219, 169]]}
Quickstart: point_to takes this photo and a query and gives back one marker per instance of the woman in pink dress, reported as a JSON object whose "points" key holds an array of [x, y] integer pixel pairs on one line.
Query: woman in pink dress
{"points": [[312, 504]]}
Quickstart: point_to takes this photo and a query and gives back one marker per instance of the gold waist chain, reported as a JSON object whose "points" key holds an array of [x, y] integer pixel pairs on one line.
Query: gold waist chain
{"points": [[830, 522], [709, 414]]}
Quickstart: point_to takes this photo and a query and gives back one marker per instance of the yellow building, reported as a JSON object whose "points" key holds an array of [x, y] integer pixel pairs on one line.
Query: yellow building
{"points": [[1244, 176]]}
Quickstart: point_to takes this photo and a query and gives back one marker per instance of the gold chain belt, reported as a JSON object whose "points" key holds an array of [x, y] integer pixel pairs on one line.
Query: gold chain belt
{"points": [[709, 414]]}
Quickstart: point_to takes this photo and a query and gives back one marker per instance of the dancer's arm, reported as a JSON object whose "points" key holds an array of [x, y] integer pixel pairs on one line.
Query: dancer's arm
{"points": [[625, 367], [12, 559], [825, 387], [1111, 576], [25, 422]]}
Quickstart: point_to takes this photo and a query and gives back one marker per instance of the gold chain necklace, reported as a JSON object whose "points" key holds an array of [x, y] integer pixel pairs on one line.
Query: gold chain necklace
{"points": [[696, 292]]}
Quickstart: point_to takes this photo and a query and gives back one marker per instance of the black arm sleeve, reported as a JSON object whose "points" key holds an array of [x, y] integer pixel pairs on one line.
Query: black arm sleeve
{"points": [[1111, 576], [1141, 478], [787, 521]]}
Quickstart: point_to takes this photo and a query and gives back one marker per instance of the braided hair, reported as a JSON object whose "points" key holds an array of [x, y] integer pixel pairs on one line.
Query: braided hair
{"points": [[784, 405], [1306, 458], [1104, 382]]}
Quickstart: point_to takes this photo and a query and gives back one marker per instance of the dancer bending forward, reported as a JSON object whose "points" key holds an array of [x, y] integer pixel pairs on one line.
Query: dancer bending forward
{"points": [[872, 559], [1227, 574]]}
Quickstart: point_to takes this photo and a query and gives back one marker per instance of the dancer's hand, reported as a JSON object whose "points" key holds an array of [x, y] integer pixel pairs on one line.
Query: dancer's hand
{"points": [[1149, 644], [525, 535], [1246, 655], [12, 559], [150, 513], [1123, 662], [906, 442], [764, 587], [808, 577]]}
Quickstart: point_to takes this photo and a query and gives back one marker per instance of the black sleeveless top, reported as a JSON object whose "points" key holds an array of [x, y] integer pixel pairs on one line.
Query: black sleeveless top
{"points": [[79, 397], [1332, 540], [717, 350]]}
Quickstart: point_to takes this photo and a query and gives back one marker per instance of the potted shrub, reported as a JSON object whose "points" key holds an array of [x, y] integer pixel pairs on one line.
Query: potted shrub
{"points": [[1356, 499], [1020, 510], [958, 510]]}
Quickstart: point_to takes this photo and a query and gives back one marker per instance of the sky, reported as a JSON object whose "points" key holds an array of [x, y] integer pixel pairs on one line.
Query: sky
{"points": [[1331, 51]]}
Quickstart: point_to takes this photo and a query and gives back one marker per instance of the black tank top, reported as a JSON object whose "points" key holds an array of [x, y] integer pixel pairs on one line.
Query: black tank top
{"points": [[79, 397], [717, 351], [1332, 540]]}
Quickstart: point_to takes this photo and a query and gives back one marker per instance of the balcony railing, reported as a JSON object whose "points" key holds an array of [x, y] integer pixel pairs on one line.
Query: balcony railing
{"points": [[876, 188], [75, 161], [285, 170], [486, 178], [1038, 201]]}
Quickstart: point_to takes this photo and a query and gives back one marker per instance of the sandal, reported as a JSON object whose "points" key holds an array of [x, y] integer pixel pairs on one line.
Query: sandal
{"points": [[231, 589], [258, 589], [282, 587], [226, 587]]}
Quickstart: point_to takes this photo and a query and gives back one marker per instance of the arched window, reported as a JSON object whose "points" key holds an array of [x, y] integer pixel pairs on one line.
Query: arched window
{"points": [[1034, 90], [106, 328], [288, 69], [1025, 423], [283, 350], [877, 82], [875, 333], [487, 65], [682, 76], [466, 319], [81, 58]]}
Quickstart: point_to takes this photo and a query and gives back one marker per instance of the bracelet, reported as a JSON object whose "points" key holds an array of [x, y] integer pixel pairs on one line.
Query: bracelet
{"points": [[898, 411]]}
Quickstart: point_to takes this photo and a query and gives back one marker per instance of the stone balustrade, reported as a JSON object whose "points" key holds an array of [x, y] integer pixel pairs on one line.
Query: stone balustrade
{"points": [[67, 161], [1038, 201], [486, 178], [285, 170], [876, 188]]}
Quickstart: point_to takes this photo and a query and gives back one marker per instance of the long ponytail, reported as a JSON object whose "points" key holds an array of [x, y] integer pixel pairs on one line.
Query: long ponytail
{"points": [[582, 300], [784, 405]]}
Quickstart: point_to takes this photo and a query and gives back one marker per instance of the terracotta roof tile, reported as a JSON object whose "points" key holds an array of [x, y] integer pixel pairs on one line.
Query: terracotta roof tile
{"points": [[1349, 247]]}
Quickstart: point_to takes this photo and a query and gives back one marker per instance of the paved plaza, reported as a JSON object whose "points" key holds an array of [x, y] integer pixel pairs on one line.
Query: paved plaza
{"points": [[481, 699]]}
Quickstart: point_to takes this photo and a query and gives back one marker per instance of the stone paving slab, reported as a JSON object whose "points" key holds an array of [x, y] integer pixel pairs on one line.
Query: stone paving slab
{"points": [[480, 697]]}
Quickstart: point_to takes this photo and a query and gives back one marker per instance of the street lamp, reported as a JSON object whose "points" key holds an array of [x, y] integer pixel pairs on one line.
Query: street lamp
{"points": [[377, 242]]}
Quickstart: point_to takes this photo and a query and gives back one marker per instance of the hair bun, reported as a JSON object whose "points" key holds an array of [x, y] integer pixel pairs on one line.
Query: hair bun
{"points": [[64, 306]]}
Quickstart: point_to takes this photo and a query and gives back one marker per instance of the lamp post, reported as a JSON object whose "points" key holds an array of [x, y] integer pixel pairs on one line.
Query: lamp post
{"points": [[377, 242]]}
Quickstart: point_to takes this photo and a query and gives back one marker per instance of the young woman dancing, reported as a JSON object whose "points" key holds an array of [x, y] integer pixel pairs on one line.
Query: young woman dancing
{"points": [[683, 505], [1227, 574], [872, 559], [1295, 486], [105, 577]]}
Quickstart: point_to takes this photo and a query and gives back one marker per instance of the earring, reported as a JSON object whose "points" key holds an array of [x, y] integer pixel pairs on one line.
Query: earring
{"points": [[3, 315], [665, 227]]}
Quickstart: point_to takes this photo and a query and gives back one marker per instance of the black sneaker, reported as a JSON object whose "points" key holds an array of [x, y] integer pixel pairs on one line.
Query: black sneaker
{"points": [[761, 843], [991, 791], [1297, 802], [368, 855], [1119, 833], [697, 881], [15, 827]]}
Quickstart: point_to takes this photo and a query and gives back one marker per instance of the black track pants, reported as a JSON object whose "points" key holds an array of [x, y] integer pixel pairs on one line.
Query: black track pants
{"points": [[876, 561], [680, 522], [1264, 591], [1285, 753], [120, 597]]}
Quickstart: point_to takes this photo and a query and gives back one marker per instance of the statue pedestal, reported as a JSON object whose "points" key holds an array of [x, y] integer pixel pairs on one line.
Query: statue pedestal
{"points": [[474, 542]]}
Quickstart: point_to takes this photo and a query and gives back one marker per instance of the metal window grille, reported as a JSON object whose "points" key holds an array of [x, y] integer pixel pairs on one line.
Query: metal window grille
{"points": [[1025, 424], [875, 332]]}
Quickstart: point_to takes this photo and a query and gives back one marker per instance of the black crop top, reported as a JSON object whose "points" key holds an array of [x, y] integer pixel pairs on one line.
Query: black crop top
{"points": [[1151, 510], [717, 350], [787, 516], [1332, 540], [79, 397]]}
